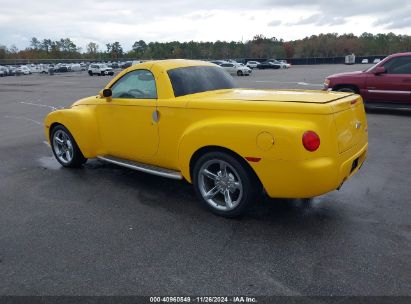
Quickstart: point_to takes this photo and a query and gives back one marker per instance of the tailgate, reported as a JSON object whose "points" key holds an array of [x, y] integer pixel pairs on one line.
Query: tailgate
{"points": [[350, 121]]}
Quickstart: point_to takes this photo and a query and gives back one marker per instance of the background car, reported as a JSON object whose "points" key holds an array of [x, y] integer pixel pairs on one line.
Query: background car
{"points": [[75, 67], [100, 70], [61, 68], [386, 84], [284, 64], [268, 65], [252, 64], [125, 64], [11, 70], [113, 65], [25, 70], [218, 62], [236, 69], [364, 61], [4, 71]]}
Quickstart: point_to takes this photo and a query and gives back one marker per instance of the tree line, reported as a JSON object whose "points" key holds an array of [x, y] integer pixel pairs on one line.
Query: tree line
{"points": [[323, 45]]}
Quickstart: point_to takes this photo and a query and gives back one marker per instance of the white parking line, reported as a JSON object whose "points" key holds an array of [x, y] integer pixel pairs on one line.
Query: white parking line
{"points": [[268, 81], [24, 118], [39, 105], [310, 84]]}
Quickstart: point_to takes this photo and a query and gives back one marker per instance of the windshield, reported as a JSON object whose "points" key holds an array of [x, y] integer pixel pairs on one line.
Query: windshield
{"points": [[196, 79], [371, 68]]}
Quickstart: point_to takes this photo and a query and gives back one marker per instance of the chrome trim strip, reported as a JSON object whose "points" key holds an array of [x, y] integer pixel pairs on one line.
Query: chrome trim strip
{"points": [[390, 92], [135, 166]]}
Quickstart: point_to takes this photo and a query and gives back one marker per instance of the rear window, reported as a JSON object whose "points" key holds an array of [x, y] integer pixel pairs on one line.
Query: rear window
{"points": [[197, 79]]}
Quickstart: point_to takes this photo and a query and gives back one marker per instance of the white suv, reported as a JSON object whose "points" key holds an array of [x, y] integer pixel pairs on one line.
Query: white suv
{"points": [[100, 70]]}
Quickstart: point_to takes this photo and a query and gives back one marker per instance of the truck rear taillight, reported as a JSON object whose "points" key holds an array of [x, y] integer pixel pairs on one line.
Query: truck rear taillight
{"points": [[311, 141]]}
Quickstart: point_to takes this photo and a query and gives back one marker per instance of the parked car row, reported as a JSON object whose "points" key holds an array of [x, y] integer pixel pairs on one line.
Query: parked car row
{"points": [[14, 71], [233, 67], [269, 64], [104, 68], [365, 60]]}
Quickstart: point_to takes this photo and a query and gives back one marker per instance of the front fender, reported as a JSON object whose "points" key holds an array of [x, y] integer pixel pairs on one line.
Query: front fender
{"points": [[81, 123]]}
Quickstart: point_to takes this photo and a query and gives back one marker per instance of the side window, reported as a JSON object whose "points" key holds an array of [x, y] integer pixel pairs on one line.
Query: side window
{"points": [[139, 84], [399, 65]]}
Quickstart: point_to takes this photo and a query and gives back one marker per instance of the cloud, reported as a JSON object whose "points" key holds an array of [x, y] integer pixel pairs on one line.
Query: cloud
{"points": [[320, 19], [400, 20], [274, 23], [126, 21]]}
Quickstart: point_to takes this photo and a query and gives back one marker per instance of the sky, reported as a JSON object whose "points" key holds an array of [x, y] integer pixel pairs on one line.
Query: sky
{"points": [[126, 21]]}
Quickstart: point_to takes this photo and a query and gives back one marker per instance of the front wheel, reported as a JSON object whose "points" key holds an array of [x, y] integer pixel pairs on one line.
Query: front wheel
{"points": [[65, 148], [90, 73], [224, 184], [239, 73]]}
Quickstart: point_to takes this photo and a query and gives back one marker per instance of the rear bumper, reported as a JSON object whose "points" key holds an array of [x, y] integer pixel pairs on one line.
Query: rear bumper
{"points": [[309, 178]]}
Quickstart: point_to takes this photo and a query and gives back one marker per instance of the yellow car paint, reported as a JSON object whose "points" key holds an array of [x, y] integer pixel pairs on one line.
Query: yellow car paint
{"points": [[262, 124]]}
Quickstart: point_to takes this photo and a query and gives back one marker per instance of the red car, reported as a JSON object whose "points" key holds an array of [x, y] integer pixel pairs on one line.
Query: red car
{"points": [[386, 84]]}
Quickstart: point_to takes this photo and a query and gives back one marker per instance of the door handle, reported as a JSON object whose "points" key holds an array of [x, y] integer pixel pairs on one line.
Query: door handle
{"points": [[155, 116]]}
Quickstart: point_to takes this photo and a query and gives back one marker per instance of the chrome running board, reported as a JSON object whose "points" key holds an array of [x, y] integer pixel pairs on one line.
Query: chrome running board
{"points": [[141, 167]]}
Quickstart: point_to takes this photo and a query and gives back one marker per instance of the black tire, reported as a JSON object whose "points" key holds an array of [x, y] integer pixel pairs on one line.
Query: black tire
{"points": [[77, 159], [236, 172], [90, 73], [239, 73], [102, 73], [346, 89]]}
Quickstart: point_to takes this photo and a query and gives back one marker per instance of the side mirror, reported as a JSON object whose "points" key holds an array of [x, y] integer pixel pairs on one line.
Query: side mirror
{"points": [[379, 70], [107, 93]]}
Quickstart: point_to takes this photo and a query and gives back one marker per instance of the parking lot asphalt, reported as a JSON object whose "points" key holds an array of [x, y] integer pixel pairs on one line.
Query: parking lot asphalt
{"points": [[106, 230]]}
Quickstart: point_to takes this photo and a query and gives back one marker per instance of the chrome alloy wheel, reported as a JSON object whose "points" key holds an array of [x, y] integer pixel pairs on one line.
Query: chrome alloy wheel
{"points": [[220, 185], [63, 147]]}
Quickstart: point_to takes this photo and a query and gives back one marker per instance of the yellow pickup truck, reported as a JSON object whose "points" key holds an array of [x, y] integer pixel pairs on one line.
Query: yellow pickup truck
{"points": [[186, 119]]}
